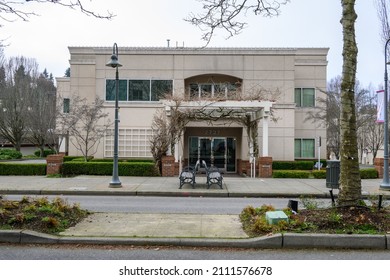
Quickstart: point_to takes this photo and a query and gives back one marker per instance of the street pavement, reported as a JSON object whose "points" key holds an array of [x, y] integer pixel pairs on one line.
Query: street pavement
{"points": [[182, 229]]}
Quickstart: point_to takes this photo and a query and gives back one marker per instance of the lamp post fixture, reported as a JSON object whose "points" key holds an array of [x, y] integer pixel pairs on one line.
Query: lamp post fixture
{"points": [[114, 63], [385, 183]]}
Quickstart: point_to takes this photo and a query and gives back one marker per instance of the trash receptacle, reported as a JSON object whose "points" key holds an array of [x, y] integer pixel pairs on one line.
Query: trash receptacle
{"points": [[332, 174]]}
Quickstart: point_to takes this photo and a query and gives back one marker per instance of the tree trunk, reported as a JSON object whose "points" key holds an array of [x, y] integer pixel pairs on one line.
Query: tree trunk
{"points": [[350, 182]]}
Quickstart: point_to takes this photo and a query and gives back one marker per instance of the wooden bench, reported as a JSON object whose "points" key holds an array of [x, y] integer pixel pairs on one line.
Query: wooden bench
{"points": [[213, 175], [187, 175]]}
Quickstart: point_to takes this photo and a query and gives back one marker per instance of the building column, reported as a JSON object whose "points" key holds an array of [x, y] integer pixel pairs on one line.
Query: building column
{"points": [[265, 131]]}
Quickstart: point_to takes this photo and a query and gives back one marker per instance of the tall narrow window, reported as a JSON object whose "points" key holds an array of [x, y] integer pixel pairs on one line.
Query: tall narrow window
{"points": [[66, 108]]}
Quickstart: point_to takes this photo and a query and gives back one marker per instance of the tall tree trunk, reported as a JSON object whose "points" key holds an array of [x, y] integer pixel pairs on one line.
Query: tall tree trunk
{"points": [[350, 182]]}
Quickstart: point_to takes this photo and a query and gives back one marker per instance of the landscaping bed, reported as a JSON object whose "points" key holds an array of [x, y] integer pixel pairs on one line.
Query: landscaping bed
{"points": [[334, 220], [40, 214]]}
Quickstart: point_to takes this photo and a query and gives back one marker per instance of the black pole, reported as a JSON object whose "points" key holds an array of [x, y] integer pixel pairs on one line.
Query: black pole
{"points": [[332, 197]]}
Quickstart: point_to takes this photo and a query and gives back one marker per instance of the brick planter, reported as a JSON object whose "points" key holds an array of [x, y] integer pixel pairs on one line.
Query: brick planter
{"points": [[168, 166], [265, 167], [54, 164]]}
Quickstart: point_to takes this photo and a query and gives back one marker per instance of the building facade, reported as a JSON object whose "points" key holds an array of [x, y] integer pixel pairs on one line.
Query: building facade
{"points": [[274, 88]]}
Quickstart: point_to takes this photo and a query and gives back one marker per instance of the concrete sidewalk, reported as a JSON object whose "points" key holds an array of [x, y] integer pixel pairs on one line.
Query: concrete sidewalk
{"points": [[169, 186], [181, 229]]}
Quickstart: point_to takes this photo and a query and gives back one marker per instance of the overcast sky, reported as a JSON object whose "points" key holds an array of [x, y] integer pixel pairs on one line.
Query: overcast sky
{"points": [[149, 23]]}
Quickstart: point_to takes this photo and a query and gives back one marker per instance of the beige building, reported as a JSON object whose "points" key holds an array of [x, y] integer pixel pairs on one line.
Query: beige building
{"points": [[275, 87]]}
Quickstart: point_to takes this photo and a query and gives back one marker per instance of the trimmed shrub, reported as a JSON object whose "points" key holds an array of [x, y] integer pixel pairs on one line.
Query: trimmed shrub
{"points": [[292, 165], [22, 169], [70, 158], [121, 160], [105, 168], [319, 174], [76, 158], [369, 173], [291, 174], [6, 154], [45, 153]]}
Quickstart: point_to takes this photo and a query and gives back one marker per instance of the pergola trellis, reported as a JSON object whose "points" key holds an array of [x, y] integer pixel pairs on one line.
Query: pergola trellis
{"points": [[247, 112]]}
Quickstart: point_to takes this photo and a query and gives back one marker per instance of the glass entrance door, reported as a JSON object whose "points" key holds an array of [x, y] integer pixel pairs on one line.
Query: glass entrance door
{"points": [[205, 150], [216, 151], [219, 152]]}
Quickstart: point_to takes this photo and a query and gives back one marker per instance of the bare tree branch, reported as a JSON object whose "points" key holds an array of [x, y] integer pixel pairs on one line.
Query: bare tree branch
{"points": [[383, 14], [11, 11], [225, 15]]}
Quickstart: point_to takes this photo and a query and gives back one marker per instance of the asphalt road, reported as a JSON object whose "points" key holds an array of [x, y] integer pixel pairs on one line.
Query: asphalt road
{"points": [[89, 252], [190, 205]]}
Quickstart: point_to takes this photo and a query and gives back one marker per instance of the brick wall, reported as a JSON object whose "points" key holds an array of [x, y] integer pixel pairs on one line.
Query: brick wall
{"points": [[168, 166], [54, 164], [265, 167]]}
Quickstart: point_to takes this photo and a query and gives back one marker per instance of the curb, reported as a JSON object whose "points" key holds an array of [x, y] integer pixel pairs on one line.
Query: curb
{"points": [[182, 193], [277, 241]]}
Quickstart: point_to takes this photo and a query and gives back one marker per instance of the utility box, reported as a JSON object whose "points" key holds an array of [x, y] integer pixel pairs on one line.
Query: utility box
{"points": [[332, 174], [274, 217]]}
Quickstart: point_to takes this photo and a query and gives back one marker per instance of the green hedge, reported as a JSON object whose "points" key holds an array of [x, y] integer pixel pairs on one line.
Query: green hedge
{"points": [[76, 158], [291, 174], [319, 174], [105, 168], [293, 165], [22, 169], [6, 154], [369, 173], [121, 160]]}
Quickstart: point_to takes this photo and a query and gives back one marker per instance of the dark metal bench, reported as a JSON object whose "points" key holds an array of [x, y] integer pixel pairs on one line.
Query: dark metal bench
{"points": [[213, 175], [187, 175]]}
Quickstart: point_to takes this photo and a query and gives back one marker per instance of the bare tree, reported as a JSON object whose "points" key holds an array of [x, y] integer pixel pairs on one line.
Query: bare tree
{"points": [[225, 15], [20, 74], [86, 124], [160, 140], [383, 14], [41, 114], [329, 113]]}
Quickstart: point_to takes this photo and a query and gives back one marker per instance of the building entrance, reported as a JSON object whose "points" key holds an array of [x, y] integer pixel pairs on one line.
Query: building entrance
{"points": [[217, 151]]}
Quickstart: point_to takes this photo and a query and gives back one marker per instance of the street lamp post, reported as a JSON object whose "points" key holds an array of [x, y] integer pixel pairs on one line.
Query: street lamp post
{"points": [[385, 183], [114, 63]]}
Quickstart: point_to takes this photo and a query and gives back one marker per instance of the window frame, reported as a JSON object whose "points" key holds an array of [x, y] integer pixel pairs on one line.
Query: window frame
{"points": [[66, 106], [151, 95], [301, 97], [197, 92], [301, 153]]}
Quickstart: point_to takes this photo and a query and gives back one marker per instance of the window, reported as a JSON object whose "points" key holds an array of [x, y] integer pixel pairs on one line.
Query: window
{"points": [[221, 90], [138, 90], [304, 148], [111, 90], [66, 105], [133, 142], [305, 97], [160, 88]]}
